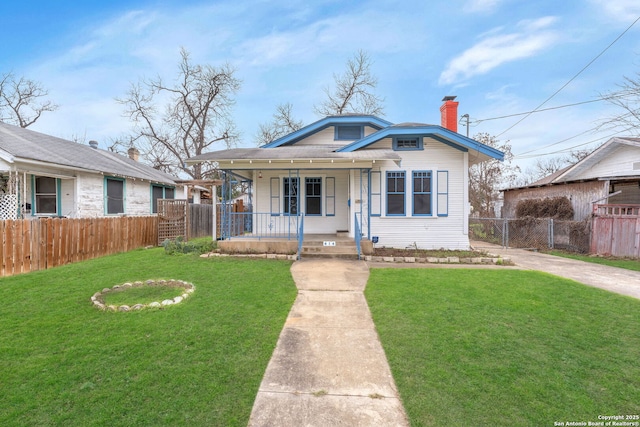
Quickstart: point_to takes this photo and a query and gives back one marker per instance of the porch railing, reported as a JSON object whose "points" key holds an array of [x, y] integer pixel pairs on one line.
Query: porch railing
{"points": [[357, 235], [263, 226]]}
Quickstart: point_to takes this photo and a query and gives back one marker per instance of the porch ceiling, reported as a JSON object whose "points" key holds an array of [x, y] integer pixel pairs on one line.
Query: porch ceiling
{"points": [[310, 157]]}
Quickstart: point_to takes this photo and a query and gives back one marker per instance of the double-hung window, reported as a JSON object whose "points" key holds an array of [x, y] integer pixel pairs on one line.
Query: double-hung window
{"points": [[160, 192], [313, 196], [46, 195], [114, 195], [422, 193], [290, 195], [395, 193]]}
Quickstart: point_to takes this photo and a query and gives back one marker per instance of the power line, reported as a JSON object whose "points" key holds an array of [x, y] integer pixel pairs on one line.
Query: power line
{"points": [[477, 121], [521, 156], [572, 78]]}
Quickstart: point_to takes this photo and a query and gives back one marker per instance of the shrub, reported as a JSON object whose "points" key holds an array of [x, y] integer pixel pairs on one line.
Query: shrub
{"points": [[554, 207], [179, 246]]}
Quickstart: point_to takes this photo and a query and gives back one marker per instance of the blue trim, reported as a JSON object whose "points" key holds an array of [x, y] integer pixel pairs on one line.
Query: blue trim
{"points": [[164, 194], [58, 196], [439, 133], [414, 192], [403, 192], [417, 138], [293, 137], [34, 206], [446, 193]]}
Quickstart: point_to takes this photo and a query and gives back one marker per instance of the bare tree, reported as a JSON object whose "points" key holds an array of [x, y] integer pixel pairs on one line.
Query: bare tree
{"points": [[282, 124], [627, 98], [551, 165], [353, 91], [22, 101], [196, 116], [488, 177]]}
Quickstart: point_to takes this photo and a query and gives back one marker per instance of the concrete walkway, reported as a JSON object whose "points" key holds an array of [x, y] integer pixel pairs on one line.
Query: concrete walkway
{"points": [[618, 280], [328, 368]]}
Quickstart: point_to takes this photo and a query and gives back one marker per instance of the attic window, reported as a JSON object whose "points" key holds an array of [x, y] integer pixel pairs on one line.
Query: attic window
{"points": [[407, 143], [349, 132]]}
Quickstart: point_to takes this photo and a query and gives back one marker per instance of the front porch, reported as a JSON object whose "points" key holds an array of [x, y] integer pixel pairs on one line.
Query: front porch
{"points": [[338, 245]]}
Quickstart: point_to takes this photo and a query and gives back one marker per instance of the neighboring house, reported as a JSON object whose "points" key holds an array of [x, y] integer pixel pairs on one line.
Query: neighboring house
{"points": [[41, 175], [609, 175], [399, 184]]}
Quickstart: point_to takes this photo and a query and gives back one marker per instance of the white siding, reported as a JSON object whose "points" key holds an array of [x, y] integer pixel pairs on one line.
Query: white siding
{"points": [[326, 137], [618, 163], [91, 190], [430, 232]]}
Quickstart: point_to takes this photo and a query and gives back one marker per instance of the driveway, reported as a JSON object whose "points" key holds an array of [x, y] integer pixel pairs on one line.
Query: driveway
{"points": [[618, 280]]}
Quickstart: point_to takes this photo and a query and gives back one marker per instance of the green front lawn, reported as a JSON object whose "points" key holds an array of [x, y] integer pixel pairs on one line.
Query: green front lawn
{"points": [[629, 264], [65, 363], [506, 347]]}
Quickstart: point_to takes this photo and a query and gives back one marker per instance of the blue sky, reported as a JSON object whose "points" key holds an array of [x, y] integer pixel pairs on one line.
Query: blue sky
{"points": [[500, 57]]}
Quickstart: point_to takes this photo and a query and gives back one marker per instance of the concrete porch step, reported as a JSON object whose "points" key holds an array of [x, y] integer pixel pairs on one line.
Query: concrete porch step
{"points": [[340, 247]]}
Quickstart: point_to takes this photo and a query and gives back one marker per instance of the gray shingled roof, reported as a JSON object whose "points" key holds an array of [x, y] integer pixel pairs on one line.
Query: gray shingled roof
{"points": [[24, 144]]}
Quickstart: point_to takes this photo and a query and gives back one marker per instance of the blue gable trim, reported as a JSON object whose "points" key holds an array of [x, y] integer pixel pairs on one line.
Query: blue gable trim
{"points": [[293, 137], [452, 139]]}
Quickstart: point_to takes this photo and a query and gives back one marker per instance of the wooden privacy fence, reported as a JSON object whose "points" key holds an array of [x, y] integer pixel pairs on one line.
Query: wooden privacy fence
{"points": [[178, 218], [616, 230], [38, 244]]}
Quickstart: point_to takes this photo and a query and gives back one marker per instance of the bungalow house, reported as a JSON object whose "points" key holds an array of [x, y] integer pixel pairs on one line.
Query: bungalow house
{"points": [[41, 175], [397, 185], [609, 175]]}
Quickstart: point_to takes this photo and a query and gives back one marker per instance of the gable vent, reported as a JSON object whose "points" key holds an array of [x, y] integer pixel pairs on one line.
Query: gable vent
{"points": [[636, 166]]}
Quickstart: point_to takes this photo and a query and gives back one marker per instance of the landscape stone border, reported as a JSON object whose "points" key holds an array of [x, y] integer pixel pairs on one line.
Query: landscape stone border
{"points": [[490, 259], [98, 298]]}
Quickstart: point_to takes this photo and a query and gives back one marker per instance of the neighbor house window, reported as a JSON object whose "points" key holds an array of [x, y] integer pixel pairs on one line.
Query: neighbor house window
{"points": [[395, 193], [114, 195], [407, 143], [160, 192], [313, 196], [422, 192], [290, 195], [349, 132], [45, 195]]}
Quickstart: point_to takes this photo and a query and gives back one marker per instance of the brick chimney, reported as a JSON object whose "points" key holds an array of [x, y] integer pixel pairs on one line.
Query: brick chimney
{"points": [[133, 153], [449, 113]]}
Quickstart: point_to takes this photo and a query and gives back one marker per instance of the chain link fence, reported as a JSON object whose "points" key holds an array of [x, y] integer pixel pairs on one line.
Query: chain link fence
{"points": [[532, 233]]}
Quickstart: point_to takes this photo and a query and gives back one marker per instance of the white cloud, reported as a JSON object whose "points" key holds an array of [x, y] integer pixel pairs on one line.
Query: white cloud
{"points": [[497, 48], [621, 10]]}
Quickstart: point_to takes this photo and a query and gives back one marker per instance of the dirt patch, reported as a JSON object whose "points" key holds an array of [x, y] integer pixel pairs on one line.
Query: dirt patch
{"points": [[420, 253]]}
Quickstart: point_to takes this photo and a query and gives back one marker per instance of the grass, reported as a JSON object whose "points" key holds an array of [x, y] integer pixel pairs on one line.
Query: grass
{"points": [[193, 364], [487, 347], [141, 295], [629, 264]]}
